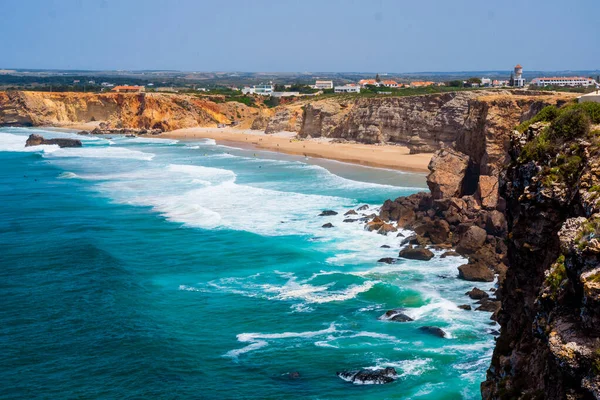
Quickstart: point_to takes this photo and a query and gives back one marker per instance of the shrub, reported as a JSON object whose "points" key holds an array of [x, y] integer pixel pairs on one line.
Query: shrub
{"points": [[537, 148], [590, 108], [556, 275], [570, 124], [546, 114]]}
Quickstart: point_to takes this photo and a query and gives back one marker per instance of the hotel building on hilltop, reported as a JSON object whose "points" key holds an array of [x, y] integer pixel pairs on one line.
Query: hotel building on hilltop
{"points": [[564, 81], [323, 85], [263, 90], [350, 88]]}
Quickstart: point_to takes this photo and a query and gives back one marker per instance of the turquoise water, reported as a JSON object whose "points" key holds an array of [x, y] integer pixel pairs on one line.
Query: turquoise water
{"points": [[146, 268]]}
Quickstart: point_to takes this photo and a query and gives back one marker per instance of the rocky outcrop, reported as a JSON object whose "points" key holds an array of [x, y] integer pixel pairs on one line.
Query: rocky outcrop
{"points": [[416, 253], [37, 140], [448, 169]]}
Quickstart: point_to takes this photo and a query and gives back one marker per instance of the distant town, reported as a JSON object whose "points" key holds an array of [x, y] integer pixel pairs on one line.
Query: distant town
{"points": [[290, 85]]}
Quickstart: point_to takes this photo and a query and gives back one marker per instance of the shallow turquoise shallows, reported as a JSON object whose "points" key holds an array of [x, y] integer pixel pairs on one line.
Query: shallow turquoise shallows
{"points": [[138, 268]]}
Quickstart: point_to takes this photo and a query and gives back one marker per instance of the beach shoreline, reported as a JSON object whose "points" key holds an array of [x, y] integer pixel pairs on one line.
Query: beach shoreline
{"points": [[378, 156]]}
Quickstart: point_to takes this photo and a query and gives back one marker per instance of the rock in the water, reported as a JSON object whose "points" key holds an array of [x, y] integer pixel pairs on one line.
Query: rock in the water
{"points": [[433, 330], [465, 307], [477, 294], [369, 377], [327, 213], [448, 168], [471, 240], [37, 140], [350, 212], [350, 220], [396, 315], [385, 246], [489, 305], [362, 208], [327, 225], [477, 272], [416, 253], [450, 254], [387, 260]]}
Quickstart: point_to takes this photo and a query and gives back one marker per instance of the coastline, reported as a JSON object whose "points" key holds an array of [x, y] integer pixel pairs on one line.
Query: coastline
{"points": [[379, 156]]}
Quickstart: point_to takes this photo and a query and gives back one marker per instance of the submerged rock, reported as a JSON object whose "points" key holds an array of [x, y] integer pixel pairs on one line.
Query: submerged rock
{"points": [[369, 377], [384, 246], [465, 307], [327, 225], [350, 220], [450, 254], [362, 208], [327, 213], [433, 330], [416, 253], [350, 212], [37, 140], [387, 260], [396, 315]]}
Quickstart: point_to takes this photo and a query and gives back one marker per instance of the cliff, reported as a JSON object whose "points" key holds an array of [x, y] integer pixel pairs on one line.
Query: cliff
{"points": [[119, 110], [549, 346]]}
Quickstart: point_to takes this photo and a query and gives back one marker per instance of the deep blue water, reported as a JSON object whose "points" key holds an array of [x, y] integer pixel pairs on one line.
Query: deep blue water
{"points": [[139, 268]]}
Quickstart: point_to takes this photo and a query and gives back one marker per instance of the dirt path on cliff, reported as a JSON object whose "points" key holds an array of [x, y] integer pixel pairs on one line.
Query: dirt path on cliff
{"points": [[382, 156]]}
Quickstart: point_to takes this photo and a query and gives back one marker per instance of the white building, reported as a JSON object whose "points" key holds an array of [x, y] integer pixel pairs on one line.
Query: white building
{"points": [[389, 83], [518, 80], [351, 88], [323, 85], [593, 97], [263, 90], [486, 82], [564, 81]]}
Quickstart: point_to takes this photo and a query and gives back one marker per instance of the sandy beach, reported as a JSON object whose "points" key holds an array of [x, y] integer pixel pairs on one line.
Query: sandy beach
{"points": [[382, 156]]}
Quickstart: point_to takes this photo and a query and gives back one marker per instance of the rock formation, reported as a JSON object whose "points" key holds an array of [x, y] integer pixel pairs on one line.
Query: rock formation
{"points": [[37, 140]]}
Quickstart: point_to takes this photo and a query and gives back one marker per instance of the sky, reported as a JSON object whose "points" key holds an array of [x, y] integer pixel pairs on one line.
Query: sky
{"points": [[300, 35]]}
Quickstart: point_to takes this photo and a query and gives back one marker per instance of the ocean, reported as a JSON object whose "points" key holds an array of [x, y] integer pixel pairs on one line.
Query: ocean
{"points": [[138, 268]]}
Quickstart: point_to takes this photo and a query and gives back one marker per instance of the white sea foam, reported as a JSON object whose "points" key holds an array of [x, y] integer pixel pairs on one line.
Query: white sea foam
{"points": [[102, 152], [16, 143], [259, 340]]}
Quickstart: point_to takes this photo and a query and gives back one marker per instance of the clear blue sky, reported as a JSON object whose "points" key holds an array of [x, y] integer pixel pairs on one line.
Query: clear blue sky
{"points": [[300, 35]]}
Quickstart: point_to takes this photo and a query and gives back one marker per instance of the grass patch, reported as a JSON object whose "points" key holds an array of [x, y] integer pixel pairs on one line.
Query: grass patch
{"points": [[558, 273], [547, 114]]}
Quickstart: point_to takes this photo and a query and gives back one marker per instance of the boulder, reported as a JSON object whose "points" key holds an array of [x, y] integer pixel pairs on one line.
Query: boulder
{"points": [[489, 305], [384, 246], [437, 231], [476, 272], [450, 254], [471, 240], [350, 212], [350, 220], [495, 223], [448, 168], [433, 330], [37, 140], [465, 307], [416, 253], [369, 377], [386, 228], [375, 224], [327, 225], [327, 213], [477, 294], [387, 260], [396, 315], [362, 208], [488, 191]]}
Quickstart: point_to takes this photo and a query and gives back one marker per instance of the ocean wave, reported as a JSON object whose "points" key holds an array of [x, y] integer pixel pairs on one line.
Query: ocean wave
{"points": [[102, 152], [260, 340]]}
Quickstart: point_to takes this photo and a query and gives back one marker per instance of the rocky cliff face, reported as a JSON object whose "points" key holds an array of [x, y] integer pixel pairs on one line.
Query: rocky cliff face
{"points": [[120, 110], [549, 347], [429, 122]]}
